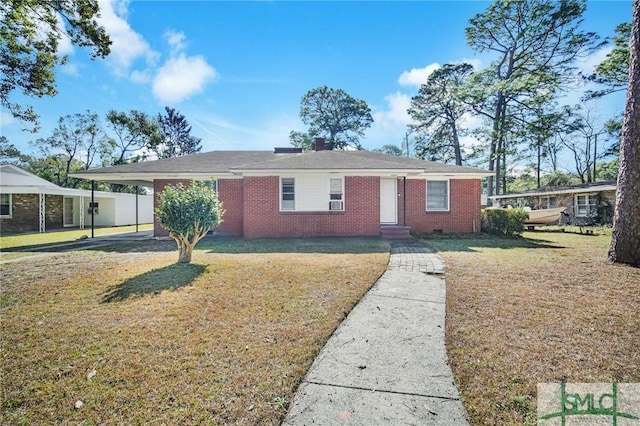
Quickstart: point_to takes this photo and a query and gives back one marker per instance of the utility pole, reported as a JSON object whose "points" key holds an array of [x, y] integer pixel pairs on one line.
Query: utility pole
{"points": [[406, 141], [595, 152]]}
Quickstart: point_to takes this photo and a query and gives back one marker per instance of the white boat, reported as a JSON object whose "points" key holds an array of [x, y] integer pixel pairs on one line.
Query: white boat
{"points": [[544, 216]]}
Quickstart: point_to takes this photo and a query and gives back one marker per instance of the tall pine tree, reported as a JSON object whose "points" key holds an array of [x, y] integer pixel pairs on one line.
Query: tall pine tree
{"points": [[535, 44], [625, 240]]}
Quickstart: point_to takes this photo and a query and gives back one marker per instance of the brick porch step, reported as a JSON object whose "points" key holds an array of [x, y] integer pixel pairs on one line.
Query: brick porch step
{"points": [[395, 232]]}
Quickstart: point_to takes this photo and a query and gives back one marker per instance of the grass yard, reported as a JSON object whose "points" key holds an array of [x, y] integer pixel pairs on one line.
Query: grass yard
{"points": [[123, 335], [545, 308], [26, 244]]}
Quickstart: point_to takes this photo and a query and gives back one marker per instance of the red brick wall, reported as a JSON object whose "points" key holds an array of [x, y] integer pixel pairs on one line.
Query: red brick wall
{"points": [[252, 208], [262, 218], [25, 213], [464, 207], [230, 193], [158, 186]]}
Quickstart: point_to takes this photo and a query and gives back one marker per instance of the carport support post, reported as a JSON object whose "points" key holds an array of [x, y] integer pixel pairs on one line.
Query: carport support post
{"points": [[93, 188], [137, 208]]}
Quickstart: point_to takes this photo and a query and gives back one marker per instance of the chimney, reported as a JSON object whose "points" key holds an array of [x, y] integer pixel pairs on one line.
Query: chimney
{"points": [[319, 144]]}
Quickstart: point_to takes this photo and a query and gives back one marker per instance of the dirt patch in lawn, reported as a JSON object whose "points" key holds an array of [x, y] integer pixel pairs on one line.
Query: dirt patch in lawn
{"points": [[546, 308], [125, 336]]}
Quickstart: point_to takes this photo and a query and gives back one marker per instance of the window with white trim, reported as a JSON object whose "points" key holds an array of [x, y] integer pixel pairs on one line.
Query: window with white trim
{"points": [[5, 205], [548, 202], [586, 205], [287, 194], [336, 201], [437, 195]]}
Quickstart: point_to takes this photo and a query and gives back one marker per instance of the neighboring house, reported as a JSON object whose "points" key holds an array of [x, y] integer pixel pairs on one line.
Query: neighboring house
{"points": [[588, 203], [291, 193], [30, 203]]}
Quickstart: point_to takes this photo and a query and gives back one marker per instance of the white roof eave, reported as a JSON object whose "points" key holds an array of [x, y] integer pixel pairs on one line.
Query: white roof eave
{"points": [[354, 172], [148, 177], [439, 175], [555, 192]]}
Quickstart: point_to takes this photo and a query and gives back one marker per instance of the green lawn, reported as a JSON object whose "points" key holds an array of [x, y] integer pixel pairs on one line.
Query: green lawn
{"points": [[139, 339], [547, 307]]}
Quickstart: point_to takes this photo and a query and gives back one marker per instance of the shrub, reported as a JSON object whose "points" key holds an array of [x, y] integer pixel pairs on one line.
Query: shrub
{"points": [[507, 222], [188, 214]]}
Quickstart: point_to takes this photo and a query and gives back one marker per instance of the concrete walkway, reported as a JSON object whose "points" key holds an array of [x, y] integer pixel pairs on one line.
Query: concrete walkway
{"points": [[386, 363]]}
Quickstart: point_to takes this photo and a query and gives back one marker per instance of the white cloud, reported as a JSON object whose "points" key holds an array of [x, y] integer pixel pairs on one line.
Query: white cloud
{"points": [[176, 40], [181, 77], [43, 29], [417, 76], [121, 7], [470, 122], [65, 47], [140, 77], [474, 62], [389, 122], [588, 65], [127, 45], [396, 112], [177, 79], [70, 69], [5, 119]]}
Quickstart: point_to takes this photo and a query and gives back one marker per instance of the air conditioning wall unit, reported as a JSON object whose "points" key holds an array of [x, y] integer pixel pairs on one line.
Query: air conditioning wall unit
{"points": [[336, 205]]}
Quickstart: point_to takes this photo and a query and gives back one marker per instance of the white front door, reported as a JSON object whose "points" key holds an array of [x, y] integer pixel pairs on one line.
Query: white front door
{"points": [[67, 211], [388, 201]]}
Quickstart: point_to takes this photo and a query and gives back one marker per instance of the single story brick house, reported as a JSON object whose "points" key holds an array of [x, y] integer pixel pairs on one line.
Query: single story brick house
{"points": [[587, 203], [30, 203], [288, 192]]}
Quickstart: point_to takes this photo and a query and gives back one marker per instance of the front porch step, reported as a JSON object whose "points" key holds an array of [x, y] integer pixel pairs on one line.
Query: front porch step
{"points": [[395, 232]]}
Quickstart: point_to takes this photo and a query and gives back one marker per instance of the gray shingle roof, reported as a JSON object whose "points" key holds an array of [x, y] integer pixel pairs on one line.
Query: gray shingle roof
{"points": [[238, 162], [206, 162], [354, 160], [11, 175]]}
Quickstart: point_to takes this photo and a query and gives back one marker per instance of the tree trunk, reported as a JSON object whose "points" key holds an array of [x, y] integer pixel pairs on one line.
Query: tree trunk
{"points": [[625, 240], [495, 135], [184, 254], [504, 171], [456, 143], [499, 145], [185, 249]]}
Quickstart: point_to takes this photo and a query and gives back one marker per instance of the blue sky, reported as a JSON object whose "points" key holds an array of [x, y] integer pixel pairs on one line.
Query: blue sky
{"points": [[237, 70]]}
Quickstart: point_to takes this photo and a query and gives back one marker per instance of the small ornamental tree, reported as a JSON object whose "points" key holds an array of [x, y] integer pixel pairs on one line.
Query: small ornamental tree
{"points": [[188, 213]]}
